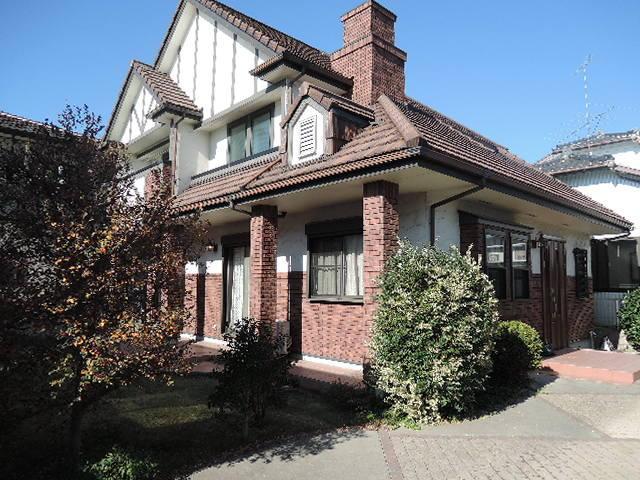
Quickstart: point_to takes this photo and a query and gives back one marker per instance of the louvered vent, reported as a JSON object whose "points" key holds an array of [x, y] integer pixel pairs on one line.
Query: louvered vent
{"points": [[307, 137]]}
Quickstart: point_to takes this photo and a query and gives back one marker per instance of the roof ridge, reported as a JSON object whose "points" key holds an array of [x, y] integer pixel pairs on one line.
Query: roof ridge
{"points": [[407, 129]]}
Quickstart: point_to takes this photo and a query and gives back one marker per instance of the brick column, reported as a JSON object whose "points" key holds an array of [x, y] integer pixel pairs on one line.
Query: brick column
{"points": [[381, 225], [264, 247]]}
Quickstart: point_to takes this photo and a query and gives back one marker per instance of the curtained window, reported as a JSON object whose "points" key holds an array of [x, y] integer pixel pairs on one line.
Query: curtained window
{"points": [[336, 267], [251, 135]]}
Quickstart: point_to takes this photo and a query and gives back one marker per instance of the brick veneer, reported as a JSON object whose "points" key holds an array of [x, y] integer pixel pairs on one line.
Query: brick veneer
{"points": [[203, 300], [580, 312], [380, 231], [336, 331], [264, 247], [369, 55]]}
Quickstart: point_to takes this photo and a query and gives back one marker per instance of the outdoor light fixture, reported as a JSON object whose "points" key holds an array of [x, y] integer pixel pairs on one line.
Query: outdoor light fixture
{"points": [[212, 246]]}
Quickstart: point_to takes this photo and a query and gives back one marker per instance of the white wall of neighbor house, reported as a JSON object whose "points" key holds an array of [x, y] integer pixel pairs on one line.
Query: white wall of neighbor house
{"points": [[213, 63], [617, 193], [138, 124]]}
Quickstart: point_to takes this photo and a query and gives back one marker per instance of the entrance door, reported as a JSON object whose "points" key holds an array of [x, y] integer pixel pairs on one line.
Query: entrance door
{"points": [[238, 266], [554, 288]]}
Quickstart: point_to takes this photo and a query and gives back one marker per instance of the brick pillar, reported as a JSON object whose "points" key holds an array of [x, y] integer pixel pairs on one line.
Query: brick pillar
{"points": [[381, 225], [264, 247]]}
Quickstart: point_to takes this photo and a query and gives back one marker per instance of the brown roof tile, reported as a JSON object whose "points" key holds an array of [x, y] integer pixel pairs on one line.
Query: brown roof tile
{"points": [[16, 125], [378, 144], [167, 92], [451, 138]]}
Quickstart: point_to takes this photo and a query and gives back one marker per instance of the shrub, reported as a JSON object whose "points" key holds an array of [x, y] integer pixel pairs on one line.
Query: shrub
{"points": [[433, 333], [254, 372], [518, 349], [121, 465], [629, 315]]}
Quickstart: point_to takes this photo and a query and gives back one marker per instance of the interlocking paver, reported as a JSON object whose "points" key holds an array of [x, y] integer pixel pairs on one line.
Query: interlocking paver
{"points": [[438, 457]]}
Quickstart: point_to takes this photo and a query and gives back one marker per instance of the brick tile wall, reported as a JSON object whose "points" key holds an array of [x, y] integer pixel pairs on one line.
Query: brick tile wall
{"points": [[580, 312], [264, 246]]}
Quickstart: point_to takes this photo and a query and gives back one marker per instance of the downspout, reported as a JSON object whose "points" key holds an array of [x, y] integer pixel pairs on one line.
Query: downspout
{"points": [[174, 163], [432, 212]]}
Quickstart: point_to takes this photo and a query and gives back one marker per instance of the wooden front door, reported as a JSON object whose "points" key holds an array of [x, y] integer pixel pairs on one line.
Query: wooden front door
{"points": [[554, 294]]}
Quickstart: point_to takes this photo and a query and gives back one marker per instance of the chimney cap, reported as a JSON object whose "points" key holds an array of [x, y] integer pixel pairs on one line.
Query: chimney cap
{"points": [[369, 4]]}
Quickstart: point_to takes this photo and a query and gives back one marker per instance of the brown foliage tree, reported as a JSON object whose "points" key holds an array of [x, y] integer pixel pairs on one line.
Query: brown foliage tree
{"points": [[89, 283]]}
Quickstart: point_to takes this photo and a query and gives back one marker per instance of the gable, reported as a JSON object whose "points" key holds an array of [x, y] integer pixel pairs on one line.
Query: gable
{"points": [[211, 59], [138, 122]]}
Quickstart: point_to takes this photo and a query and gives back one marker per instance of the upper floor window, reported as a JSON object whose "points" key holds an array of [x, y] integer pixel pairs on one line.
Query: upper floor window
{"points": [[251, 135]]}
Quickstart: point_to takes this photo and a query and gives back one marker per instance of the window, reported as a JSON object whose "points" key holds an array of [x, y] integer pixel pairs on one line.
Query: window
{"points": [[496, 264], [616, 266], [250, 135], [509, 273], [336, 267], [520, 266]]}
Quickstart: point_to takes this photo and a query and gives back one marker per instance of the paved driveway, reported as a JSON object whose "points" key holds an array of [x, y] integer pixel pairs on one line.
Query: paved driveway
{"points": [[571, 429]]}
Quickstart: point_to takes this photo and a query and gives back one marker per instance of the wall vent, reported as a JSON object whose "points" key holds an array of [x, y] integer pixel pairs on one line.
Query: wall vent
{"points": [[307, 137]]}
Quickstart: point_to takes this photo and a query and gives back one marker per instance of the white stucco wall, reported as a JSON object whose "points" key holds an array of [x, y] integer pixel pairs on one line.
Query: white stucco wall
{"points": [[138, 123], [214, 61], [621, 195], [211, 262]]}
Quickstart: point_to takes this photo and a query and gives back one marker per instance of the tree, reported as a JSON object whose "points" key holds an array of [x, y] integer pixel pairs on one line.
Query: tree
{"points": [[433, 333], [90, 280]]}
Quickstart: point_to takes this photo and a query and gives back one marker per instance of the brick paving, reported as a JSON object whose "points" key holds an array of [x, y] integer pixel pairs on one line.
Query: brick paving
{"points": [[438, 457]]}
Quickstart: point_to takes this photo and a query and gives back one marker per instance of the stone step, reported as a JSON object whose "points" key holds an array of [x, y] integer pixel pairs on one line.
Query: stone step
{"points": [[608, 367]]}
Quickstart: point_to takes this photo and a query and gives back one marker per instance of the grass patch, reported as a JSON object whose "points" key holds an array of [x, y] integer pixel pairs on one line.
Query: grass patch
{"points": [[171, 424]]}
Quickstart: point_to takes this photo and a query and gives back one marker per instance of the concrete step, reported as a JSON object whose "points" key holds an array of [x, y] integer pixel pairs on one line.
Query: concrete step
{"points": [[608, 367]]}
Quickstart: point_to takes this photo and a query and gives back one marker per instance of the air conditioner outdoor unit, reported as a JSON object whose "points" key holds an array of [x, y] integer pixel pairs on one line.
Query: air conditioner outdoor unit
{"points": [[283, 333]]}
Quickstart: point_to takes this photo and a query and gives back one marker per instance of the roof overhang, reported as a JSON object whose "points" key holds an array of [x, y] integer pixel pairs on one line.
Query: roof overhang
{"points": [[287, 66]]}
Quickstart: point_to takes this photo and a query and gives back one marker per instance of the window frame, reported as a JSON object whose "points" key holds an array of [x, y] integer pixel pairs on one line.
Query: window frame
{"points": [[337, 229], [508, 261], [506, 253], [247, 121]]}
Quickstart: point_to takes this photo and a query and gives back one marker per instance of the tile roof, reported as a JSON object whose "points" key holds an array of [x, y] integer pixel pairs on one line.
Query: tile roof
{"points": [[167, 92], [378, 144], [270, 37], [472, 149], [328, 100], [573, 162], [599, 139], [15, 124], [401, 130]]}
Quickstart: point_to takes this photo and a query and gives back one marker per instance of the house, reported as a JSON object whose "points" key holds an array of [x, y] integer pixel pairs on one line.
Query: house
{"points": [[606, 167], [16, 128], [309, 166]]}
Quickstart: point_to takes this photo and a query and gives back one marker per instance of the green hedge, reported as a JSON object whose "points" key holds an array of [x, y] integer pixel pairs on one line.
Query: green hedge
{"points": [[629, 315], [433, 333], [518, 349]]}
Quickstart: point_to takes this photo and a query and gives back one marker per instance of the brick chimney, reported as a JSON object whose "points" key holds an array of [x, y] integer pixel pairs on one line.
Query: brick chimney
{"points": [[369, 54]]}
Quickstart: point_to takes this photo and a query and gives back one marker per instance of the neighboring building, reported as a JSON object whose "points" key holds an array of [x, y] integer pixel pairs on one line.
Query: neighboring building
{"points": [[309, 165], [606, 167], [14, 127]]}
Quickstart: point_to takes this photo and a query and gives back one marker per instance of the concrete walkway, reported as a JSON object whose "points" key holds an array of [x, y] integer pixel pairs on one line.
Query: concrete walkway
{"points": [[572, 429]]}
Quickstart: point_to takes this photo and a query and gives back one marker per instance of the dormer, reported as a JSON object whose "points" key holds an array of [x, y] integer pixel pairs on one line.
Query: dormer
{"points": [[320, 122]]}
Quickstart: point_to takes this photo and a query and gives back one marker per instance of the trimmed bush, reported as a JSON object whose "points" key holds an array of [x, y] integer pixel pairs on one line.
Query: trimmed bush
{"points": [[518, 349], [253, 375], [118, 464], [433, 333], [629, 315]]}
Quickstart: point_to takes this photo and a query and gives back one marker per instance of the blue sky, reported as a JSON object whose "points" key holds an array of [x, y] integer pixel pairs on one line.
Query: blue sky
{"points": [[502, 67]]}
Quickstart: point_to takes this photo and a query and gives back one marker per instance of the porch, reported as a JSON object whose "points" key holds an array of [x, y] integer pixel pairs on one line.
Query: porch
{"points": [[587, 364]]}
